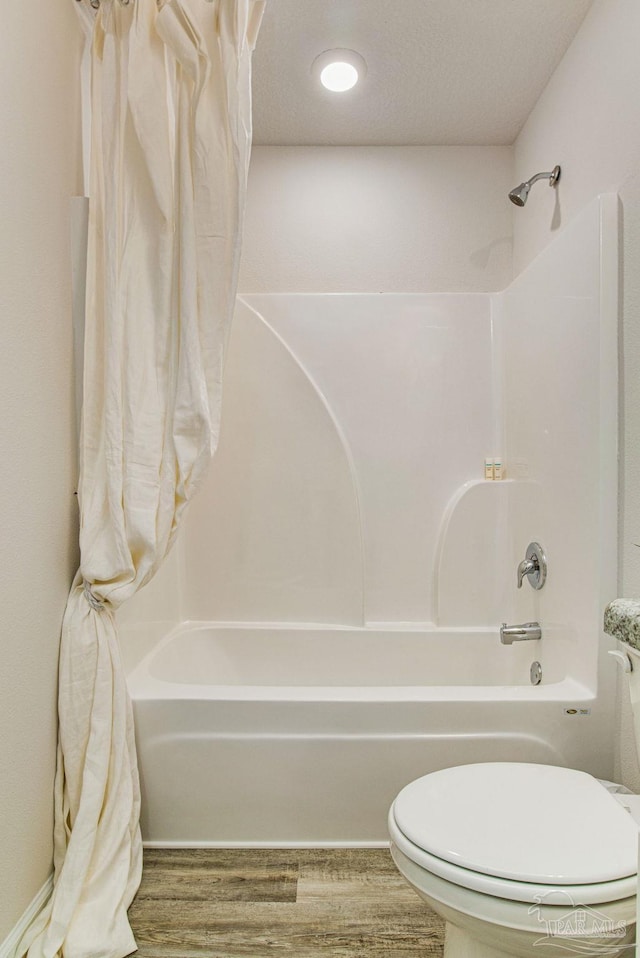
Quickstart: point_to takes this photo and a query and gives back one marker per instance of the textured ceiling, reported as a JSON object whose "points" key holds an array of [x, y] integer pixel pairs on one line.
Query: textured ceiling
{"points": [[439, 71]]}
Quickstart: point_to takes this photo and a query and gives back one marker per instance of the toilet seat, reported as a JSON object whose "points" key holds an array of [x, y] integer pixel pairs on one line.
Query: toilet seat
{"points": [[518, 831], [530, 893]]}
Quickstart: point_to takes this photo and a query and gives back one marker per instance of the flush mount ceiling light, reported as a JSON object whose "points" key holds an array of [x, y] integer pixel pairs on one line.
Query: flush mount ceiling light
{"points": [[339, 70]]}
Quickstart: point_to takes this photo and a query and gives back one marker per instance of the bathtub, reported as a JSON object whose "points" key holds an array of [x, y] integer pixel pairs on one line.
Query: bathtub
{"points": [[303, 735]]}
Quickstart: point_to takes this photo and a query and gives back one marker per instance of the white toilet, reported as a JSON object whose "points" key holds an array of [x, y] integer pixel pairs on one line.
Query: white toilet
{"points": [[520, 860]]}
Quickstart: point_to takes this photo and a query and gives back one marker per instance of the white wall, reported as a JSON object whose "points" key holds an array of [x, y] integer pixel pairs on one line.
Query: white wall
{"points": [[38, 173], [588, 121], [378, 219]]}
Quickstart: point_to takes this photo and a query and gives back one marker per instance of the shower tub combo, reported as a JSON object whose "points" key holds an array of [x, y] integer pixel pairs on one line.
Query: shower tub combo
{"points": [[305, 735], [327, 629]]}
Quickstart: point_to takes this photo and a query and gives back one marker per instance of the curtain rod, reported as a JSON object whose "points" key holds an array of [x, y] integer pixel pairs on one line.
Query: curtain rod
{"points": [[125, 3], [96, 3]]}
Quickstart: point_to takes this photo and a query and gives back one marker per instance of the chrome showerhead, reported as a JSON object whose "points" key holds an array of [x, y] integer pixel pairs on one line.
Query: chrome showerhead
{"points": [[520, 193]]}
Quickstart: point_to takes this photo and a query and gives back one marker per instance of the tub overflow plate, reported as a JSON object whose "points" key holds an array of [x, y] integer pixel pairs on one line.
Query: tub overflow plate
{"points": [[535, 673]]}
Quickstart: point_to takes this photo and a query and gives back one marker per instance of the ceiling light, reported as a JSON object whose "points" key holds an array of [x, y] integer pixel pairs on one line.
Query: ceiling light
{"points": [[339, 70], [339, 76]]}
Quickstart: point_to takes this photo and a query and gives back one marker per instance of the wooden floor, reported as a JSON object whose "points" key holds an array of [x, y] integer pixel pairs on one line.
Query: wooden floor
{"points": [[347, 903]]}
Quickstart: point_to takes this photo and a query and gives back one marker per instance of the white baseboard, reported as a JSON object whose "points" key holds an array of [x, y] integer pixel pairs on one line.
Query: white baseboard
{"points": [[291, 846], [9, 945]]}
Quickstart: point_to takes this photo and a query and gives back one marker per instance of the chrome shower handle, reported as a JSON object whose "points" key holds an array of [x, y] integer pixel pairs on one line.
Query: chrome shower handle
{"points": [[526, 567], [533, 566]]}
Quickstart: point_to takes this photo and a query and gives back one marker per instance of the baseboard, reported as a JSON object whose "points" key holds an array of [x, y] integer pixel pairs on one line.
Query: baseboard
{"points": [[9, 945], [263, 845]]}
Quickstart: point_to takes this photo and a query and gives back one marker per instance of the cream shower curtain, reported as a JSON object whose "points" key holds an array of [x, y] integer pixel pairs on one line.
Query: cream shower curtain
{"points": [[170, 141]]}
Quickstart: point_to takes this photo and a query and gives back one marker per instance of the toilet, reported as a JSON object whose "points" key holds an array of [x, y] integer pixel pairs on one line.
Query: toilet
{"points": [[520, 860]]}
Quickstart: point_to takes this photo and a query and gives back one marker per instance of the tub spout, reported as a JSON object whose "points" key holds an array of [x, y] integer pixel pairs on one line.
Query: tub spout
{"points": [[527, 632]]}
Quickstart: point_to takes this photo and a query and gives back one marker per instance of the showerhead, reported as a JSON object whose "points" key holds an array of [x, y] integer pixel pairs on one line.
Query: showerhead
{"points": [[519, 194]]}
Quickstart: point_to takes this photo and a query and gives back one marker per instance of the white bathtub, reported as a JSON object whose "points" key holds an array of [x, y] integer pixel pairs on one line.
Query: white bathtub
{"points": [[296, 735]]}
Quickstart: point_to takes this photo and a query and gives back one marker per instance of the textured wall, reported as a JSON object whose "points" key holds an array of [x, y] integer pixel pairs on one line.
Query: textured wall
{"points": [[38, 172], [378, 219], [588, 120]]}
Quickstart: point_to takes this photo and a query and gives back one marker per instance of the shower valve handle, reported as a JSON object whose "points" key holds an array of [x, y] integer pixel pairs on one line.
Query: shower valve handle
{"points": [[526, 567], [533, 566]]}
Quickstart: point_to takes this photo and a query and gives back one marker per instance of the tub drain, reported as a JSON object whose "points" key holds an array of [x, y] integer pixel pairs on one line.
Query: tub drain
{"points": [[535, 673]]}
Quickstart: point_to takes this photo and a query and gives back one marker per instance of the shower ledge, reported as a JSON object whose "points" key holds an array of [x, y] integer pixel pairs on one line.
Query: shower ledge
{"points": [[622, 620]]}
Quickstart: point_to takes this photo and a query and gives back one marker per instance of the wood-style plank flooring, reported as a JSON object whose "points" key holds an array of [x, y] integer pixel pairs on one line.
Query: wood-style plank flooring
{"points": [[261, 903]]}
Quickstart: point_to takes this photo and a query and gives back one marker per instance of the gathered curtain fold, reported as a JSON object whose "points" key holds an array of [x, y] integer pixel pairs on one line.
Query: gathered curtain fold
{"points": [[169, 146]]}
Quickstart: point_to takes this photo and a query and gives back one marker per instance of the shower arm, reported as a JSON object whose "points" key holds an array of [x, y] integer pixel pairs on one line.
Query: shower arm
{"points": [[552, 177]]}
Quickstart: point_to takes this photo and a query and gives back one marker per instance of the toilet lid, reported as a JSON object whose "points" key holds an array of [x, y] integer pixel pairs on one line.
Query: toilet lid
{"points": [[528, 823]]}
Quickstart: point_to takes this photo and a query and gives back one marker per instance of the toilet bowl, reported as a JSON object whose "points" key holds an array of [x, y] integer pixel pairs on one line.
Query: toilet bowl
{"points": [[520, 860]]}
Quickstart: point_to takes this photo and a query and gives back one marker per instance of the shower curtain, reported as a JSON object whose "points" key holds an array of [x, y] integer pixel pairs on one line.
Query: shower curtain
{"points": [[170, 138]]}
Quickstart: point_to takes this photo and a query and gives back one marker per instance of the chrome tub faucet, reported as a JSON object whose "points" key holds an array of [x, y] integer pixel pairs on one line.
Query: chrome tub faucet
{"points": [[527, 632]]}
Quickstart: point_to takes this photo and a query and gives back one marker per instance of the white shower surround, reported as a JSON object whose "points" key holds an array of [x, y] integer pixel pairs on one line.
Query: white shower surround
{"points": [[327, 524]]}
